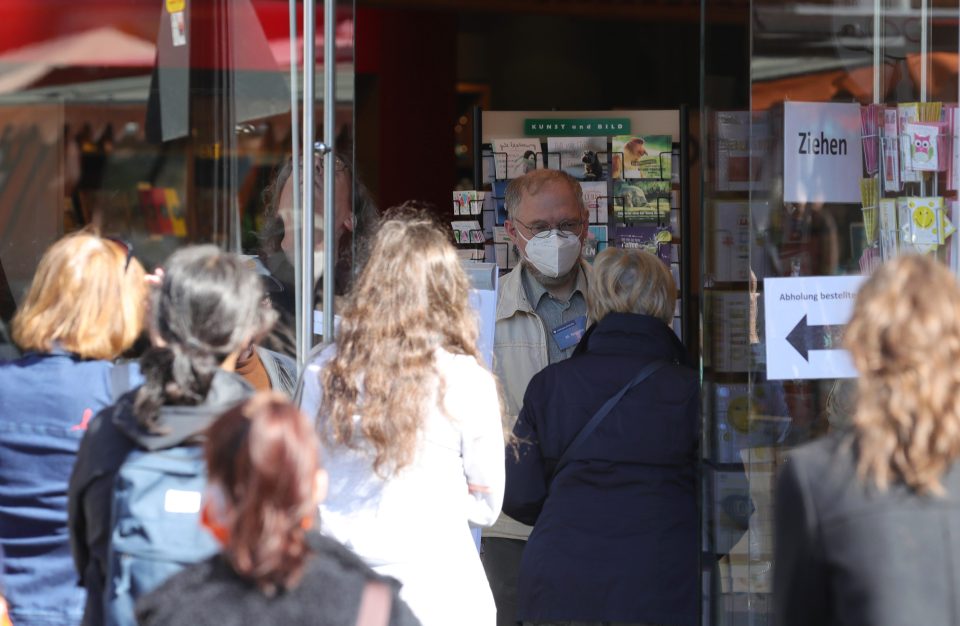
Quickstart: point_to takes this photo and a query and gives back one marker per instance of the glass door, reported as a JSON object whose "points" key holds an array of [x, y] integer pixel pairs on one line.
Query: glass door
{"points": [[807, 109], [165, 124]]}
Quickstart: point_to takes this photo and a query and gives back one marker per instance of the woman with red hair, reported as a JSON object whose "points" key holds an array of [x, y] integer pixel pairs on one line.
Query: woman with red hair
{"points": [[264, 483]]}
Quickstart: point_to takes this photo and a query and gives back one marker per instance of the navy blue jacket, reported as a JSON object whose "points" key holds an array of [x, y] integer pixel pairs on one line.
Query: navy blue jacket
{"points": [[46, 404], [616, 532]]}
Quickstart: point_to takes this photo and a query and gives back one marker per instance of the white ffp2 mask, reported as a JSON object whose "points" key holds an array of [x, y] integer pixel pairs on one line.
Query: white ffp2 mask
{"points": [[554, 255]]}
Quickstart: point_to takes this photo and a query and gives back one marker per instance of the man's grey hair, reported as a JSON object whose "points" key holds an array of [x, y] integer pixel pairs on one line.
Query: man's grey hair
{"points": [[531, 183]]}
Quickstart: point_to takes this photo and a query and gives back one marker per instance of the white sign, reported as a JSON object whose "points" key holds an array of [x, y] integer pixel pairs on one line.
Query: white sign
{"points": [[822, 159], [804, 319]]}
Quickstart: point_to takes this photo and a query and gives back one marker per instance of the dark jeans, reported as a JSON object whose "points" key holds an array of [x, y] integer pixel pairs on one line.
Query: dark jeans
{"points": [[501, 562]]}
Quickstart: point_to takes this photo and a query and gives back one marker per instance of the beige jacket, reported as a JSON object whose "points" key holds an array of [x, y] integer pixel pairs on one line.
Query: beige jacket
{"points": [[519, 352]]}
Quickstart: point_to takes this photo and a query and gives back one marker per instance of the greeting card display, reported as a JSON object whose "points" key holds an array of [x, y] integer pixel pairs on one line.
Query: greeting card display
{"points": [[515, 157], [641, 200], [467, 202], [924, 141], [595, 200], [584, 158], [642, 157]]}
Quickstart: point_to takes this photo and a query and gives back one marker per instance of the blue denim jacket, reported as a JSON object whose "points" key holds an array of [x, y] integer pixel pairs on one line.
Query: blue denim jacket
{"points": [[46, 403]]}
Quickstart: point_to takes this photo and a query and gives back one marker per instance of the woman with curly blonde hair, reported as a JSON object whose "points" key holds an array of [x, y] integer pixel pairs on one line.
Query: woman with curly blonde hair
{"points": [[410, 423], [866, 517]]}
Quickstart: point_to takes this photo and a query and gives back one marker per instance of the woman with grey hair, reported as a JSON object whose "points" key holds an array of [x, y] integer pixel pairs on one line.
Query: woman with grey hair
{"points": [[606, 470], [206, 310]]}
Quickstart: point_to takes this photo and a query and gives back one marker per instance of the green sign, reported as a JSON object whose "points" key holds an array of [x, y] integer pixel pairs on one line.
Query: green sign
{"points": [[576, 127]]}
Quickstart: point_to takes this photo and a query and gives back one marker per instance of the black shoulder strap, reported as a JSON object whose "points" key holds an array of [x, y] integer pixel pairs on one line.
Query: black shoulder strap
{"points": [[591, 426], [119, 380]]}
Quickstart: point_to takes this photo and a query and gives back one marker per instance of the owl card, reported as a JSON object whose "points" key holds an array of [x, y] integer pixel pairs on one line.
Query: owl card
{"points": [[923, 139], [907, 113]]}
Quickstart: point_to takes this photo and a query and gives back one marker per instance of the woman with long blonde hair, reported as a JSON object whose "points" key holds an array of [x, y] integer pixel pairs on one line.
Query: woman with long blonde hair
{"points": [[410, 423], [867, 517]]}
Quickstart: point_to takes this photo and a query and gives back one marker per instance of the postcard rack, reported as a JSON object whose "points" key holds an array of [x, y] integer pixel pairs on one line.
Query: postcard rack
{"points": [[648, 211]]}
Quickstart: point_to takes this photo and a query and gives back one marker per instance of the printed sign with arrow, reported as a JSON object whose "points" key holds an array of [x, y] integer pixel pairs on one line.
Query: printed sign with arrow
{"points": [[804, 322], [805, 337]]}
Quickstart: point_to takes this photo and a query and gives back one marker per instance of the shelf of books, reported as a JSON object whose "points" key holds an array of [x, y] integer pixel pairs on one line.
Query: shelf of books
{"points": [[628, 166]]}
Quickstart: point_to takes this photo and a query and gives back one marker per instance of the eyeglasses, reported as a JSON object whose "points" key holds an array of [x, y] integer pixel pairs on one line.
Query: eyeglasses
{"points": [[127, 246], [567, 228]]}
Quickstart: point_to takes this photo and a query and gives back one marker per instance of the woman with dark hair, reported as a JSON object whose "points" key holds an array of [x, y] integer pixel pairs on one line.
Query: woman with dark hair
{"points": [[410, 422], [867, 517], [84, 308], [264, 482], [205, 312]]}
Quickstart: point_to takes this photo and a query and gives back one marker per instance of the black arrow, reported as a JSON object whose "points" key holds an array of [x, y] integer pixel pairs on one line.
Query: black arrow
{"points": [[804, 338]]}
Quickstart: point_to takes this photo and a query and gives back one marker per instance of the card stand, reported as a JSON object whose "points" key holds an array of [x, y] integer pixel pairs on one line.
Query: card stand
{"points": [[868, 140], [471, 244], [506, 255], [669, 175], [612, 203], [929, 185], [667, 178], [596, 247], [546, 159], [630, 220], [539, 162], [623, 163], [496, 170], [943, 150], [596, 212], [458, 208], [474, 202]]}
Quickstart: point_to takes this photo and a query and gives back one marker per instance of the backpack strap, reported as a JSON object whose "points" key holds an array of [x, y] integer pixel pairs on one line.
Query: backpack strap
{"points": [[375, 604], [591, 426], [120, 380]]}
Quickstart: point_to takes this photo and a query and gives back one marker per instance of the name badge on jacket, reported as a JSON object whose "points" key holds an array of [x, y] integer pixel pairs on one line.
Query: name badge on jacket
{"points": [[569, 333]]}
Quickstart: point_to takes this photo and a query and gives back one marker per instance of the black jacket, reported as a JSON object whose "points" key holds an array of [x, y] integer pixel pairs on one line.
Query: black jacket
{"points": [[616, 533], [848, 554], [109, 438], [211, 593]]}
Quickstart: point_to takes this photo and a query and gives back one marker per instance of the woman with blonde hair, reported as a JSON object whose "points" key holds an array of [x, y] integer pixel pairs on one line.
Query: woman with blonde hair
{"points": [[410, 424], [866, 517], [84, 308], [607, 467]]}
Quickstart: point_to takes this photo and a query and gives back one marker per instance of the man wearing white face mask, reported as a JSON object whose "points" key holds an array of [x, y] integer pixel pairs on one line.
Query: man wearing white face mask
{"points": [[541, 315]]}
